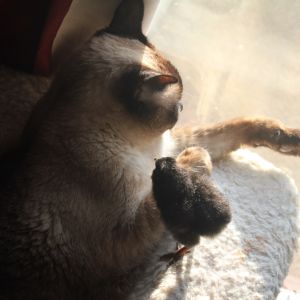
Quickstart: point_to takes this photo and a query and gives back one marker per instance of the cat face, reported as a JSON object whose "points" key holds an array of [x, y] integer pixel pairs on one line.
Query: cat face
{"points": [[144, 83]]}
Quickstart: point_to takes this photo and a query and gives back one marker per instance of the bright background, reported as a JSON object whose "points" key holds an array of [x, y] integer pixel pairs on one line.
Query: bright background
{"points": [[237, 58]]}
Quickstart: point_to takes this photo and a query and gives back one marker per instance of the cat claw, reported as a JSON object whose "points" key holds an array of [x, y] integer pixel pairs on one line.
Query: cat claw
{"points": [[286, 141], [291, 144], [285, 149]]}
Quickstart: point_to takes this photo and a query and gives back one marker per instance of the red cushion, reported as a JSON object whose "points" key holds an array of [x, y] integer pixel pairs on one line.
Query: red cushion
{"points": [[27, 32]]}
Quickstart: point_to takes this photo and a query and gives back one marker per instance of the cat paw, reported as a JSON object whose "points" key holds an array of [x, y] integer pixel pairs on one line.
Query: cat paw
{"points": [[275, 135], [288, 141]]}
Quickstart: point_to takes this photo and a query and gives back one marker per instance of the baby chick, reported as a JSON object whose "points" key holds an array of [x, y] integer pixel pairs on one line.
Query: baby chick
{"points": [[190, 204]]}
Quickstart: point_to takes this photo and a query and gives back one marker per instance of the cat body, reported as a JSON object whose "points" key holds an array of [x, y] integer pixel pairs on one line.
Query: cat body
{"points": [[81, 180], [78, 218]]}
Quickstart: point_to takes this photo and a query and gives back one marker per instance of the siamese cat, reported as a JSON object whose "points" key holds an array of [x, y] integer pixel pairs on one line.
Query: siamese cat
{"points": [[84, 205]]}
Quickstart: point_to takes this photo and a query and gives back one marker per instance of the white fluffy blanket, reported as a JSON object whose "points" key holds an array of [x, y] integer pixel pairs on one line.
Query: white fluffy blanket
{"points": [[250, 259]]}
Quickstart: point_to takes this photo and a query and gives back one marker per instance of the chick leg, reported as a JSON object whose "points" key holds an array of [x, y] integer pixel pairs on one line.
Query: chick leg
{"points": [[174, 257]]}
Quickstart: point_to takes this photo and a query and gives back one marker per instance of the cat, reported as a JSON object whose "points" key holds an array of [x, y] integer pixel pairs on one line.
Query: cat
{"points": [[80, 216]]}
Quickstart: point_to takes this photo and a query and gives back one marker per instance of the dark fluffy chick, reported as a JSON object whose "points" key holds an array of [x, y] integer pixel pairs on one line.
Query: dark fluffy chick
{"points": [[190, 204]]}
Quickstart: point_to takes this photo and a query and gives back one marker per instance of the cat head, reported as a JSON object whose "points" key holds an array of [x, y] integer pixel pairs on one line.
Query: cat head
{"points": [[147, 84], [135, 78]]}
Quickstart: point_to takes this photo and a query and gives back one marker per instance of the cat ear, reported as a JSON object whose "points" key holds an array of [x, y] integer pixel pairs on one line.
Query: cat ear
{"points": [[146, 86], [159, 82], [157, 88], [127, 20]]}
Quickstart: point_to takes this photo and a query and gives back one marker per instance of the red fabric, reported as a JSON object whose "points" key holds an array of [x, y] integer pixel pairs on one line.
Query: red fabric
{"points": [[57, 12], [27, 32]]}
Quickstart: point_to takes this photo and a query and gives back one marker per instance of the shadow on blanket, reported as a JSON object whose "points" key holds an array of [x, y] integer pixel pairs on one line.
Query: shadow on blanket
{"points": [[250, 259]]}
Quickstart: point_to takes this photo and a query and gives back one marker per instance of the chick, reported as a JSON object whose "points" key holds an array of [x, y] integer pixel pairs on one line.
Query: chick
{"points": [[191, 205]]}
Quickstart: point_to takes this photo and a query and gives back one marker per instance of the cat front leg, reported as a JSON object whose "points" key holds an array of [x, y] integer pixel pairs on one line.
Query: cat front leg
{"points": [[222, 138]]}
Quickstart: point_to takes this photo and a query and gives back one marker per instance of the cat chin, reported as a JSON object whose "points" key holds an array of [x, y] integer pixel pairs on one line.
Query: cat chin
{"points": [[166, 118], [154, 117], [173, 119]]}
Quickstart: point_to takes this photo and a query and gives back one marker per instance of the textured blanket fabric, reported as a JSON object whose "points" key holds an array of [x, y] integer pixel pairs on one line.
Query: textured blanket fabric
{"points": [[250, 259]]}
